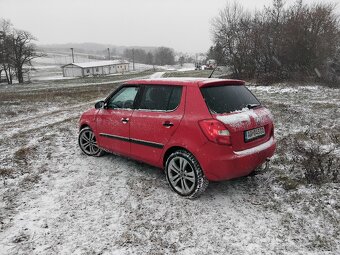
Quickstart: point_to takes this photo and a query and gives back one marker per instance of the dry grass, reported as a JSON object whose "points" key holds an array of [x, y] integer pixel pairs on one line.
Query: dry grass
{"points": [[23, 155], [55, 95], [6, 173], [27, 101], [319, 166], [193, 73], [30, 179], [309, 158]]}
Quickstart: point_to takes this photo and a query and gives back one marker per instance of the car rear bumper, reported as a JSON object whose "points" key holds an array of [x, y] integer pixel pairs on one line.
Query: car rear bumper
{"points": [[222, 163]]}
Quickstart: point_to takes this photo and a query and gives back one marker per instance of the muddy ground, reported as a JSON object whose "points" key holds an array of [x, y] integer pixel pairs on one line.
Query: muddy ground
{"points": [[55, 200]]}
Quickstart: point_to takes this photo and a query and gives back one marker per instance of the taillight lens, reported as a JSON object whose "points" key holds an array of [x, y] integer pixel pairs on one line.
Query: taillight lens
{"points": [[215, 131]]}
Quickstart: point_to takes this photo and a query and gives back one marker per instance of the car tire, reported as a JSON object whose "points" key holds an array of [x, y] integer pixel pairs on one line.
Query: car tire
{"points": [[88, 143], [185, 175]]}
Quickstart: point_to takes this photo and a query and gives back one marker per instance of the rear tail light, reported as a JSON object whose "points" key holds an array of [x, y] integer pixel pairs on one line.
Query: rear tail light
{"points": [[215, 131]]}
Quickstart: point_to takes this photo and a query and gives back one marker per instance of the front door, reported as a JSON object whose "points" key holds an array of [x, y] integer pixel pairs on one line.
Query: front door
{"points": [[113, 122]]}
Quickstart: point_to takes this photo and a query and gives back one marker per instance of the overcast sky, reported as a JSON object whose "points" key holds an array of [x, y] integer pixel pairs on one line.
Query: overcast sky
{"points": [[180, 24]]}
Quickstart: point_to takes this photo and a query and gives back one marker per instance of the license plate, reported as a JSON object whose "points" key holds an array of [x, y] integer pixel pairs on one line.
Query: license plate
{"points": [[253, 134]]}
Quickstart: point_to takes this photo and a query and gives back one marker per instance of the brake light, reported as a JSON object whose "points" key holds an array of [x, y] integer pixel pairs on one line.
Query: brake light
{"points": [[215, 131]]}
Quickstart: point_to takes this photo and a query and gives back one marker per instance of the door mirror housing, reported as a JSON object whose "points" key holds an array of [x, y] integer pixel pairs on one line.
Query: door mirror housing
{"points": [[99, 105]]}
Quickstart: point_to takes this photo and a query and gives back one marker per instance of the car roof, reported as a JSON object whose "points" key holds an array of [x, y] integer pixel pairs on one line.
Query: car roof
{"points": [[187, 81]]}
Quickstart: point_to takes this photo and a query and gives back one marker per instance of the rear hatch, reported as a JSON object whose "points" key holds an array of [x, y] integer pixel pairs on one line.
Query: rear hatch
{"points": [[249, 123]]}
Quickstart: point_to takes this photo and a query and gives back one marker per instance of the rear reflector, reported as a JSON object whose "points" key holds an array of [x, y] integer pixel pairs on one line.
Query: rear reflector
{"points": [[215, 131]]}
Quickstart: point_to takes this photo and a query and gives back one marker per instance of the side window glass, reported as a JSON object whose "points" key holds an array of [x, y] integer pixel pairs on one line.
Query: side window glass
{"points": [[160, 98], [175, 98], [123, 99]]}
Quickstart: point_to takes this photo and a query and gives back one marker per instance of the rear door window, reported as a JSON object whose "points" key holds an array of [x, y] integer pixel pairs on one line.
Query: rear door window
{"points": [[160, 98], [228, 98]]}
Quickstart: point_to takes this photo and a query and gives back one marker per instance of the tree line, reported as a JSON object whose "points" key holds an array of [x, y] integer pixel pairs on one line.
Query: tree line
{"points": [[16, 51], [160, 56], [278, 43]]}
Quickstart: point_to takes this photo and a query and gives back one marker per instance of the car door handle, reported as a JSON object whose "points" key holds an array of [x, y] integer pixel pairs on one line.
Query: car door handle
{"points": [[125, 120], [168, 124]]}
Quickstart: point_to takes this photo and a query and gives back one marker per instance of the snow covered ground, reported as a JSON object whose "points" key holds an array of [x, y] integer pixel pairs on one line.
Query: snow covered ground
{"points": [[55, 200], [48, 67], [157, 75]]}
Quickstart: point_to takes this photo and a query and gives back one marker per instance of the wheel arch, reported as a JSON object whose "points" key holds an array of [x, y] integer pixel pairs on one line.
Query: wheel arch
{"points": [[171, 150], [84, 125], [200, 181]]}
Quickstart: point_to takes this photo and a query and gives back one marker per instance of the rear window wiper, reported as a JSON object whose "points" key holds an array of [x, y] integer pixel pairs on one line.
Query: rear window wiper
{"points": [[251, 106]]}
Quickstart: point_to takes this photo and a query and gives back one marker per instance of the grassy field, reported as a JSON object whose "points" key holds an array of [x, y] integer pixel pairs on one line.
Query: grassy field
{"points": [[193, 73], [54, 200]]}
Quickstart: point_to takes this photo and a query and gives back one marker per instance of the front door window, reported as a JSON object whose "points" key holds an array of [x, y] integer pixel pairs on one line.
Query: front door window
{"points": [[123, 99], [113, 121]]}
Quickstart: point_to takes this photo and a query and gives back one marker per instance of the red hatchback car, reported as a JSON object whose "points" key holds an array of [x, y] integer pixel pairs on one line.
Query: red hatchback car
{"points": [[196, 129]]}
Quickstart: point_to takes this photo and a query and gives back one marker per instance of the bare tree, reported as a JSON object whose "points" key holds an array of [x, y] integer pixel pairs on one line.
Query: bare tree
{"points": [[17, 51], [230, 31], [217, 52], [2, 48], [164, 56], [149, 58], [278, 42], [24, 51], [181, 60], [6, 50], [138, 55]]}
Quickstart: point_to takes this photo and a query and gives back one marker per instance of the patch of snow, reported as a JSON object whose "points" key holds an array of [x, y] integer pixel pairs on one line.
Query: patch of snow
{"points": [[157, 75], [244, 117], [45, 66], [288, 90], [244, 109], [186, 67], [236, 119], [51, 78]]}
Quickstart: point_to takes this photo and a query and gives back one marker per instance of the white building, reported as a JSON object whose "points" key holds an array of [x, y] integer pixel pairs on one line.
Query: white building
{"points": [[95, 68]]}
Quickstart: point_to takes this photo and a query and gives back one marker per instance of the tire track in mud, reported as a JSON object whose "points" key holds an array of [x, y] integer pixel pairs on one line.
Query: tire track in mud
{"points": [[14, 128], [44, 87], [8, 124]]}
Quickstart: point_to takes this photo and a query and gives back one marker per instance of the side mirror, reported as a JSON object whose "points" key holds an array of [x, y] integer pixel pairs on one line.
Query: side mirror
{"points": [[99, 105]]}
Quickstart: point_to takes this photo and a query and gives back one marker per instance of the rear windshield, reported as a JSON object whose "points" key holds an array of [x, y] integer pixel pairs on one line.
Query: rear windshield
{"points": [[229, 98]]}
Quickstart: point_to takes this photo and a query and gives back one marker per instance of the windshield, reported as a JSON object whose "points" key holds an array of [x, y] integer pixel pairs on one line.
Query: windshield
{"points": [[228, 98]]}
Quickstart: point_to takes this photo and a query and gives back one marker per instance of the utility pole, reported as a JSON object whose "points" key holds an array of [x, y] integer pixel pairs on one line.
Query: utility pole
{"points": [[108, 51], [72, 55], [133, 59]]}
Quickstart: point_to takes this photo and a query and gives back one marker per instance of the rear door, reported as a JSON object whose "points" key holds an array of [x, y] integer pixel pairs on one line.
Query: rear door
{"points": [[153, 123], [113, 122]]}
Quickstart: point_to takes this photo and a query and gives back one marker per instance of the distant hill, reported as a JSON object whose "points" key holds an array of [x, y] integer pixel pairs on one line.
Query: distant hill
{"points": [[90, 48]]}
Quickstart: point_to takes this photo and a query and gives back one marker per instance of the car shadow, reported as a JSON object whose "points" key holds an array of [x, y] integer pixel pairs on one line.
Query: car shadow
{"points": [[247, 185]]}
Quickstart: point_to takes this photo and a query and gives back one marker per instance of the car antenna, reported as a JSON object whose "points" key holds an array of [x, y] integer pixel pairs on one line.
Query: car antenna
{"points": [[212, 72]]}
